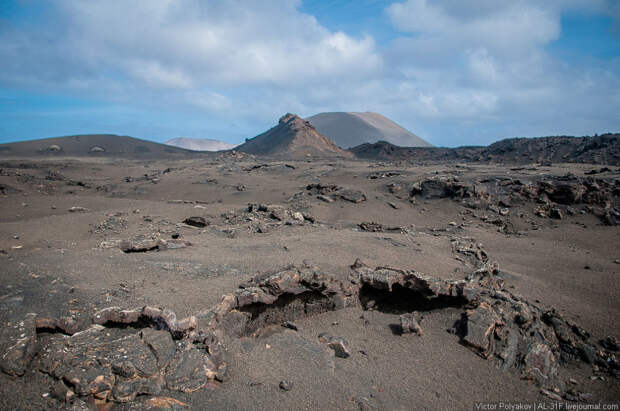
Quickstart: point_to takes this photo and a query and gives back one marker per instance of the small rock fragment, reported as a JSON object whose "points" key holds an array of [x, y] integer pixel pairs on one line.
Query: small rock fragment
{"points": [[551, 395], [338, 344], [199, 222], [286, 385], [291, 325], [409, 324]]}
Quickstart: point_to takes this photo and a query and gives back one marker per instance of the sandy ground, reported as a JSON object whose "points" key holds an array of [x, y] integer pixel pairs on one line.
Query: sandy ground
{"points": [[53, 263]]}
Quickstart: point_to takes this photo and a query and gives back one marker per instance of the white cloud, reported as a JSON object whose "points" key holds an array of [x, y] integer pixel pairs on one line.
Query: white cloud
{"points": [[486, 61], [187, 42], [507, 26], [155, 75]]}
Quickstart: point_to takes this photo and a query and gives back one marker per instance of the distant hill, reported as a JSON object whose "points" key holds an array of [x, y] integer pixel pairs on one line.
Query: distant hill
{"points": [[293, 137], [352, 129], [200, 144], [94, 145], [603, 149], [382, 150]]}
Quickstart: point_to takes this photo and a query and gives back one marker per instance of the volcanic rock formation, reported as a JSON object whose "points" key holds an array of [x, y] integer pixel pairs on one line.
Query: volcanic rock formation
{"points": [[292, 137], [603, 149], [118, 354]]}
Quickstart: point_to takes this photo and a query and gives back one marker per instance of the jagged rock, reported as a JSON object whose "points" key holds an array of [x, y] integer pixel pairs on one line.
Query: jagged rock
{"points": [[481, 324], [116, 315], [440, 188], [547, 191], [126, 390], [470, 248], [327, 192], [77, 209], [323, 189], [385, 278], [189, 370], [161, 344], [61, 392], [555, 213], [540, 362], [167, 320], [354, 196], [409, 324], [523, 315], [66, 325], [278, 213], [92, 362], [199, 222], [338, 344], [293, 292], [563, 193], [128, 246], [370, 226], [486, 276], [16, 359], [96, 381]]}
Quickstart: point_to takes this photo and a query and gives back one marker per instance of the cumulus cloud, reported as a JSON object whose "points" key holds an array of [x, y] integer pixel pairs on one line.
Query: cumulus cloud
{"points": [[188, 42], [485, 63]]}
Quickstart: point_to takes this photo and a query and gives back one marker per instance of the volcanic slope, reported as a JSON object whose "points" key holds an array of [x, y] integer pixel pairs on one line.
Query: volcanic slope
{"points": [[293, 137], [95, 145], [200, 144], [352, 129]]}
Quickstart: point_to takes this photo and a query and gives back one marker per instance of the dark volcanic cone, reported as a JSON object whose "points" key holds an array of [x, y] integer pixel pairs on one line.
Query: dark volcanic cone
{"points": [[293, 137]]}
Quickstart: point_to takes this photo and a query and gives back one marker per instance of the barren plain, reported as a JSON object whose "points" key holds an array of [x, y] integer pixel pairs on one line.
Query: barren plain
{"points": [[364, 284]]}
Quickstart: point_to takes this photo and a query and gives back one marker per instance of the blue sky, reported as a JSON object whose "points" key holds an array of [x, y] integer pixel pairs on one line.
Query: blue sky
{"points": [[453, 72]]}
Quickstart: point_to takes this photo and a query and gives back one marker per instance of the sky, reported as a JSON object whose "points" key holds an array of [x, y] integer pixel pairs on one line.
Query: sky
{"points": [[453, 72]]}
